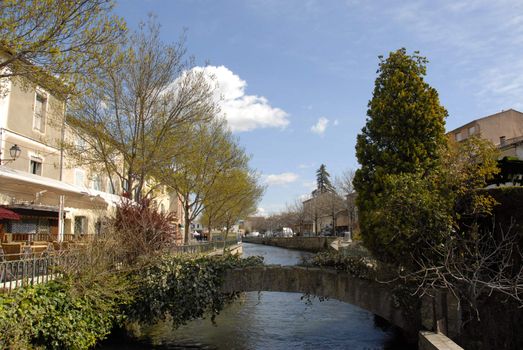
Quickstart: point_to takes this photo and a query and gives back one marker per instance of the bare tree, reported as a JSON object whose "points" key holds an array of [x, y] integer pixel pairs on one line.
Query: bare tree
{"points": [[297, 215], [474, 265], [345, 188], [132, 113]]}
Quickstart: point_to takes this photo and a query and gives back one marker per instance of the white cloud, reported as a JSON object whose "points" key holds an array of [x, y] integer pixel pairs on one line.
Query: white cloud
{"points": [[280, 179], [320, 126], [243, 112], [336, 122]]}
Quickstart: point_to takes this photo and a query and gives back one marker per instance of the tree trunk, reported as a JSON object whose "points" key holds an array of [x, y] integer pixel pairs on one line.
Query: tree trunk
{"points": [[187, 223], [209, 227], [225, 238]]}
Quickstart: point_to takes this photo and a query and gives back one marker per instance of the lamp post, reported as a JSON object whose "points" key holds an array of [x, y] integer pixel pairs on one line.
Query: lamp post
{"points": [[14, 152]]}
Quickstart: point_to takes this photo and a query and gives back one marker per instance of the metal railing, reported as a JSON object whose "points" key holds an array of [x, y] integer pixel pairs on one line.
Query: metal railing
{"points": [[27, 269], [30, 271], [31, 237]]}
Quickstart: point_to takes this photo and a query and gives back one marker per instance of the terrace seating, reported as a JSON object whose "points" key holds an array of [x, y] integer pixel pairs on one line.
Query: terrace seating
{"points": [[12, 251]]}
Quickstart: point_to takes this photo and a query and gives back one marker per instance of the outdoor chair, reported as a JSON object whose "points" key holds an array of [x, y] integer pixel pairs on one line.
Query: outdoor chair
{"points": [[39, 250], [12, 251]]}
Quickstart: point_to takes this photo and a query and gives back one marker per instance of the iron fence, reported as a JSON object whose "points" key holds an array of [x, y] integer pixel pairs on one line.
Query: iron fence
{"points": [[22, 270], [30, 271]]}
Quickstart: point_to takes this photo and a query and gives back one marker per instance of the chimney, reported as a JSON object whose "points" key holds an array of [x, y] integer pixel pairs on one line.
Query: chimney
{"points": [[502, 140]]}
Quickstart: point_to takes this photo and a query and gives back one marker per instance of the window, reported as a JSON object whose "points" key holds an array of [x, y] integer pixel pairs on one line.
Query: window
{"points": [[80, 144], [472, 130], [110, 187], [98, 227], [97, 183], [80, 225], [35, 166], [459, 136], [39, 112], [79, 176], [39, 225]]}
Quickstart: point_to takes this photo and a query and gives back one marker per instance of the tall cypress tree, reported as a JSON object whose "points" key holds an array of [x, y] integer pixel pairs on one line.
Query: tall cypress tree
{"points": [[404, 130]]}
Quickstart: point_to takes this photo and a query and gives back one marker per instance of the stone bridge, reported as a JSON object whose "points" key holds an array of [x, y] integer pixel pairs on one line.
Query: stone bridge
{"points": [[369, 295]]}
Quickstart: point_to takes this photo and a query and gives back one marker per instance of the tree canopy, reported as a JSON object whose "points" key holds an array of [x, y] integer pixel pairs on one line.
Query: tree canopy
{"points": [[55, 43], [209, 154], [404, 134]]}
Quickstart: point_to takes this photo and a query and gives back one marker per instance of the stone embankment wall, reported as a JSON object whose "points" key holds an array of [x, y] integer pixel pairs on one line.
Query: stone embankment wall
{"points": [[308, 244]]}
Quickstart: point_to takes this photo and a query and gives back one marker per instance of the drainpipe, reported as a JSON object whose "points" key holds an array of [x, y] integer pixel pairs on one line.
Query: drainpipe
{"points": [[62, 136], [61, 220], [1, 143]]}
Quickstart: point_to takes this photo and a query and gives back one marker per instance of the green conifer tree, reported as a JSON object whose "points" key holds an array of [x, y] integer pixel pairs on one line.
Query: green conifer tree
{"points": [[405, 129], [323, 180]]}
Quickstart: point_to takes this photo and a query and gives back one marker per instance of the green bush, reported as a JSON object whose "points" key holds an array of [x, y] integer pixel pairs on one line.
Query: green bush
{"points": [[57, 315], [183, 288], [358, 266]]}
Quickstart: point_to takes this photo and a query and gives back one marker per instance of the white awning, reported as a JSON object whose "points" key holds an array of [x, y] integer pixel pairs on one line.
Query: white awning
{"points": [[31, 188]]}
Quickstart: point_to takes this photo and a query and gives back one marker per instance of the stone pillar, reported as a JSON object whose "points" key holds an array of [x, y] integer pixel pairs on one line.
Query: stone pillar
{"points": [[441, 313]]}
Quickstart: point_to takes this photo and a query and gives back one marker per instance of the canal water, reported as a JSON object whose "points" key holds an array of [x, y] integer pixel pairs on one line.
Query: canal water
{"points": [[273, 320]]}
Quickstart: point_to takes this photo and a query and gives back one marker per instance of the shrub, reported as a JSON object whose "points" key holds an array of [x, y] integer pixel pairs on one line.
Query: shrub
{"points": [[57, 315], [142, 229], [183, 288]]}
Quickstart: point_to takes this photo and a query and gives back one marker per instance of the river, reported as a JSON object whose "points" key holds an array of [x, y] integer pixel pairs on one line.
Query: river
{"points": [[273, 320]]}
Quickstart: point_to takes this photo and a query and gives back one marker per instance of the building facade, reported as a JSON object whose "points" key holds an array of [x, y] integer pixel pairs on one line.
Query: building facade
{"points": [[49, 191], [498, 128]]}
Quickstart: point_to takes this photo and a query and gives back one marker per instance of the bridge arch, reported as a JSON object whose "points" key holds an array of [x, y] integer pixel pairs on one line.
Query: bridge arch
{"points": [[369, 295]]}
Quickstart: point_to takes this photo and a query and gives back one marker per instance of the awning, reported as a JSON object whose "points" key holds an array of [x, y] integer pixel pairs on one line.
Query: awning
{"points": [[8, 214], [31, 188]]}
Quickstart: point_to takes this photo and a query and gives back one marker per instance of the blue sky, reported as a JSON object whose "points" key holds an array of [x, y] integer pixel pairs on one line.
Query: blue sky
{"points": [[297, 74]]}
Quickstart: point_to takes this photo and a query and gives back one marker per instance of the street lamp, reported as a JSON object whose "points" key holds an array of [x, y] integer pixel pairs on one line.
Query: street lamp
{"points": [[14, 152]]}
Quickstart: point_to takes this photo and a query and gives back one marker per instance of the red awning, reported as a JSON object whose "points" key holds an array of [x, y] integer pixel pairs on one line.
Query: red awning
{"points": [[8, 214]]}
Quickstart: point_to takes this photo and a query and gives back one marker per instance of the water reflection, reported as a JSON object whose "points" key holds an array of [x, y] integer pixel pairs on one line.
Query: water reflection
{"points": [[272, 320]]}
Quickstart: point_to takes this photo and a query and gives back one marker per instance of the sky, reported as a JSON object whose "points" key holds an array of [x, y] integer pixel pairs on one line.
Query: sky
{"points": [[296, 75]]}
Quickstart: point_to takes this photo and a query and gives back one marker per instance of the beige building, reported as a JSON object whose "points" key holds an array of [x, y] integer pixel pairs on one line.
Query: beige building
{"points": [[498, 128], [325, 212], [505, 130], [41, 181]]}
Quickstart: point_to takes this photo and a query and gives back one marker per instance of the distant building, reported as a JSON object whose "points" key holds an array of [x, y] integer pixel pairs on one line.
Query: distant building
{"points": [[505, 130], [499, 128]]}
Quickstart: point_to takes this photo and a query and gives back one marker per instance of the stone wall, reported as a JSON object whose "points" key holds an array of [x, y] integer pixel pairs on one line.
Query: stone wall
{"points": [[436, 341], [309, 244]]}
